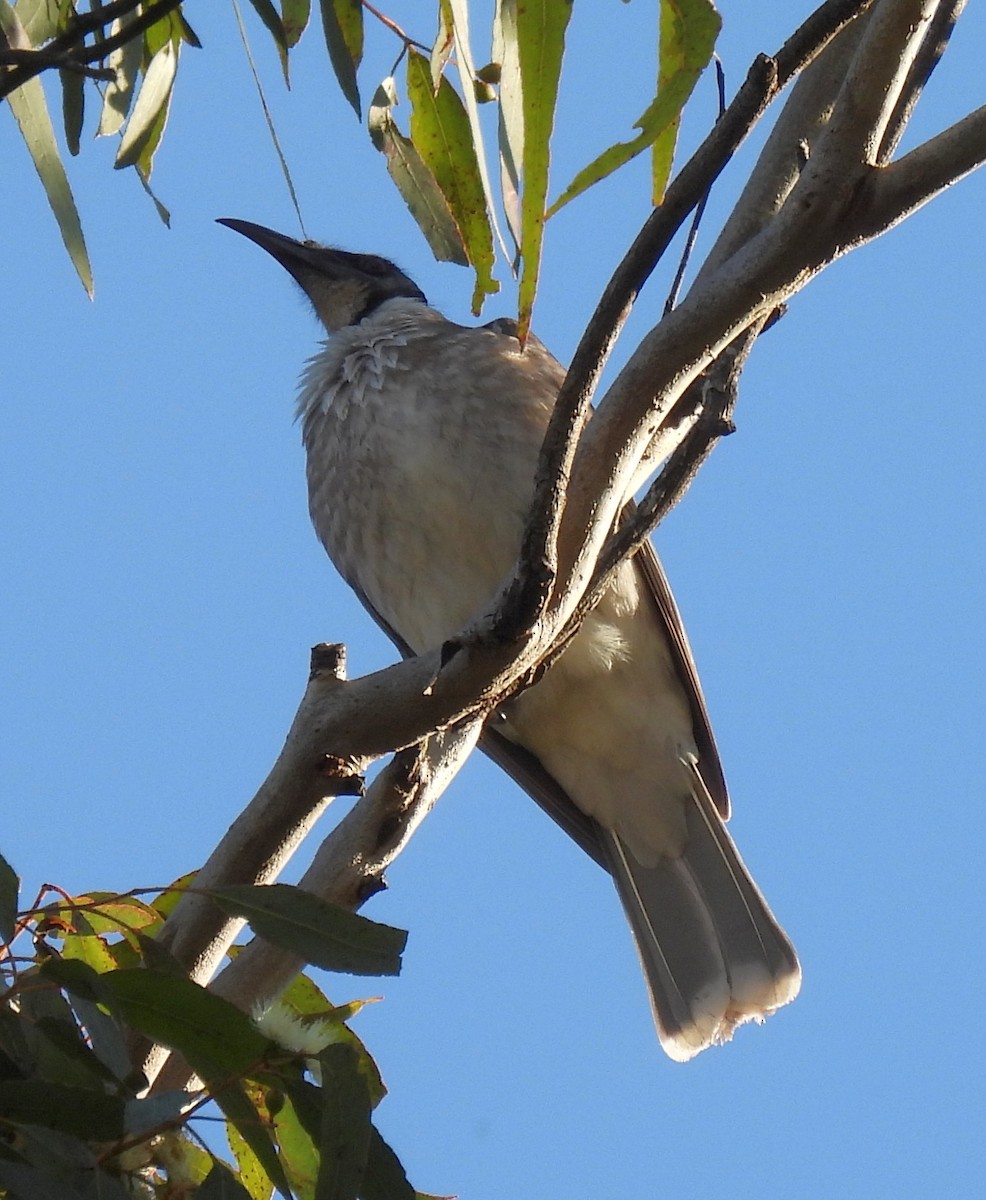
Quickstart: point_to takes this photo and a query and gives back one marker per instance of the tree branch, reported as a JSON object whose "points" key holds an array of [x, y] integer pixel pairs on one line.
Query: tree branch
{"points": [[658, 404], [932, 48], [67, 51], [764, 81], [347, 869], [911, 181]]}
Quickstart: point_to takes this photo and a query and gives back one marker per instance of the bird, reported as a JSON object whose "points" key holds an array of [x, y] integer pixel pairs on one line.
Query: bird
{"points": [[422, 439]]}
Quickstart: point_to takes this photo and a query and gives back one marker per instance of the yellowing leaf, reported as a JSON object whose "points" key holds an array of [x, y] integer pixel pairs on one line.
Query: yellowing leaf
{"points": [[541, 26], [414, 181], [442, 135], [688, 33], [294, 17]]}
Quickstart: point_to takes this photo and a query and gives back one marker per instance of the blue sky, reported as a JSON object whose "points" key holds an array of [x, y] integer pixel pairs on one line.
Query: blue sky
{"points": [[162, 588]]}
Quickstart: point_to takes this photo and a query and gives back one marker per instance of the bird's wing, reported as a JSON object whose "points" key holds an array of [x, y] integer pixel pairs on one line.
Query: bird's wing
{"points": [[522, 767], [709, 764]]}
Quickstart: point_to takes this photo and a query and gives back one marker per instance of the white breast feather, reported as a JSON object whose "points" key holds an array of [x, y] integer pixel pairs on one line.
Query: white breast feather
{"points": [[357, 359]]}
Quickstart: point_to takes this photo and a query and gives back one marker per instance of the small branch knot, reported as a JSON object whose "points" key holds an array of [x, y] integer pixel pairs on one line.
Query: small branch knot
{"points": [[328, 658]]}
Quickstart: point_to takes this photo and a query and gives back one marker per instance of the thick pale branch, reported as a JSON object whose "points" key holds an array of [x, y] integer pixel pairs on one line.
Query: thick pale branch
{"points": [[348, 867], [869, 97], [802, 120], [927, 58], [919, 176], [302, 783], [767, 76]]}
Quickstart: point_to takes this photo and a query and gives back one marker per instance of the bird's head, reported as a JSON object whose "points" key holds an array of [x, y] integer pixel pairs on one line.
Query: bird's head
{"points": [[343, 288]]}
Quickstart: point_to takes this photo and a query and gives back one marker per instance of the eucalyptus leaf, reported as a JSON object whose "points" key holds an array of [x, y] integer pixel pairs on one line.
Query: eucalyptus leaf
{"points": [[295, 15], [215, 1036], [249, 1124], [322, 933], [146, 123], [222, 1184], [83, 1112], [342, 23], [119, 92], [73, 108], [413, 180], [688, 34], [22, 1182], [385, 1178], [442, 135], [251, 1173], [344, 1136], [459, 10], [30, 110], [272, 22], [9, 890], [510, 116]]}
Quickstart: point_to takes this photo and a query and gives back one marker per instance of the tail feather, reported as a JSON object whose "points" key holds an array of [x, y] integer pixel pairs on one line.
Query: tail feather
{"points": [[712, 952]]}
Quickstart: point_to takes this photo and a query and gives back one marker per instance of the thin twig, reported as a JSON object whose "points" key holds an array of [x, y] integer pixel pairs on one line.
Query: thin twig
{"points": [[268, 117], [391, 24], [692, 235], [70, 43]]}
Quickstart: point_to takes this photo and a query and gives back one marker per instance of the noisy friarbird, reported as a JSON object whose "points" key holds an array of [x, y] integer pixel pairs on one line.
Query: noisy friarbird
{"points": [[422, 439]]}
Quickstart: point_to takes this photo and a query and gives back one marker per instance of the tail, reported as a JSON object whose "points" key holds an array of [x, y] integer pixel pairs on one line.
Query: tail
{"points": [[712, 952]]}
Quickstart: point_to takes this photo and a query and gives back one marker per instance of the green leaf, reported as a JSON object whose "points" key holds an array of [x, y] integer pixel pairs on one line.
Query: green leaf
{"points": [[107, 1041], [248, 1123], [252, 1175], [541, 26], [295, 15], [9, 889], [215, 1037], [109, 912], [42, 19], [146, 1114], [413, 180], [30, 111], [13, 1044], [168, 900], [324, 934], [91, 950], [28, 1183], [150, 110], [73, 975], [222, 1184], [53, 1151], [510, 119], [344, 1137], [459, 10], [385, 1178], [271, 19], [688, 33], [689, 29], [73, 108], [442, 135], [118, 94], [83, 1112], [297, 1149], [342, 22], [52, 1034], [162, 212]]}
